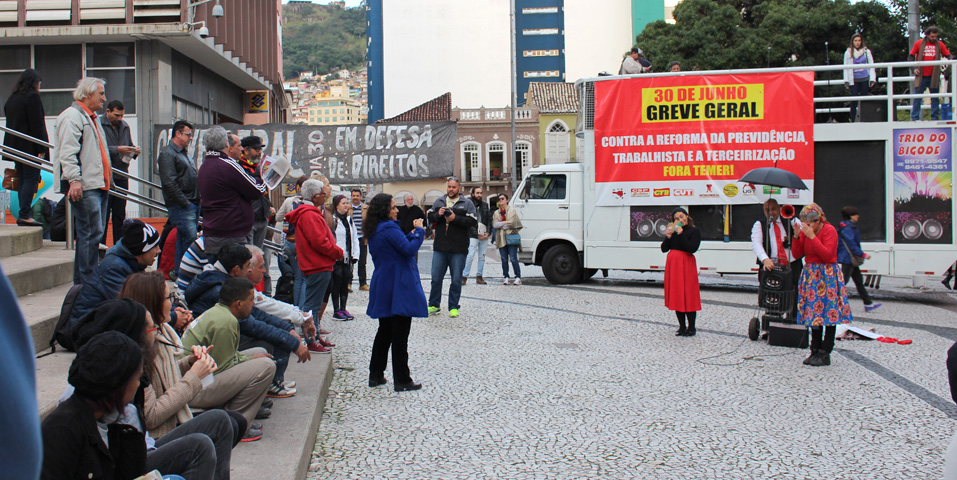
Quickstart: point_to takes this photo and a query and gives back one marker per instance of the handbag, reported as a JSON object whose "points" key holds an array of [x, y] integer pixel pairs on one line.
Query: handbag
{"points": [[11, 181], [513, 239], [855, 260]]}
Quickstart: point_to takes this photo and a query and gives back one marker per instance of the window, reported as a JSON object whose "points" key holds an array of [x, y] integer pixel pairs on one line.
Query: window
{"points": [[523, 158], [545, 187], [557, 142], [13, 61], [471, 163], [496, 160]]}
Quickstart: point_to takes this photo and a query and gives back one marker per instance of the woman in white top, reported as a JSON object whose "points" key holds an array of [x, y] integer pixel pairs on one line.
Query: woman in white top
{"points": [[858, 80], [347, 238]]}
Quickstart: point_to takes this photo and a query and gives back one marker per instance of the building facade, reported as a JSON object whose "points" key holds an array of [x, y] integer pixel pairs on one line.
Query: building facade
{"points": [[539, 43], [485, 149], [557, 105], [164, 60]]}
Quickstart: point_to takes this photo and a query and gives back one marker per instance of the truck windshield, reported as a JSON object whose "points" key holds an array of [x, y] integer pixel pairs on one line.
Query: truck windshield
{"points": [[547, 186]]}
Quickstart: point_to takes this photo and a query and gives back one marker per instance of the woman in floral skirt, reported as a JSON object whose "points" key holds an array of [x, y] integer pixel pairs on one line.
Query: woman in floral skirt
{"points": [[822, 298]]}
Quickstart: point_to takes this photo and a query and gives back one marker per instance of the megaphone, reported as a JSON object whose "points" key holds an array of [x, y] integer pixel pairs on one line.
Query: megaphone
{"points": [[787, 212]]}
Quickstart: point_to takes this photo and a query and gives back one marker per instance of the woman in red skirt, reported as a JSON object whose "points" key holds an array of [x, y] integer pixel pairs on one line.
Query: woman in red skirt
{"points": [[682, 293]]}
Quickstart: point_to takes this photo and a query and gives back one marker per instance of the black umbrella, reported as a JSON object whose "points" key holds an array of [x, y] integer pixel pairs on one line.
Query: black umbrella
{"points": [[775, 177]]}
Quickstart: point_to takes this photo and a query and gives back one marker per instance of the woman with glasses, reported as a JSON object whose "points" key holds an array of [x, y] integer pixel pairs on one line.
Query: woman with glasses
{"points": [[506, 222], [822, 297]]}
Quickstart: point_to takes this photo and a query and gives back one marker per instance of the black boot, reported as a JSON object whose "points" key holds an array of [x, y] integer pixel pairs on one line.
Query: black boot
{"points": [[825, 358], [814, 353], [376, 380], [821, 359], [691, 330], [681, 324]]}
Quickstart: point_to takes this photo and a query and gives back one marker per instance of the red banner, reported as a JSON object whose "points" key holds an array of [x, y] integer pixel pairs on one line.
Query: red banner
{"points": [[693, 137]]}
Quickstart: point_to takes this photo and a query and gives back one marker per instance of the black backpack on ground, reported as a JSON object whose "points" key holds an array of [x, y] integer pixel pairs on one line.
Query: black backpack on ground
{"points": [[284, 288], [62, 334]]}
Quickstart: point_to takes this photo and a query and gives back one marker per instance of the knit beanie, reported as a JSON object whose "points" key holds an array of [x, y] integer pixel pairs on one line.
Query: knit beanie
{"points": [[123, 315], [139, 237], [105, 363], [676, 210]]}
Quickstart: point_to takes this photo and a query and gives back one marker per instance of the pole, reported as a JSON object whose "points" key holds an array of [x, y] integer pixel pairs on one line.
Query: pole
{"points": [[913, 34], [514, 93]]}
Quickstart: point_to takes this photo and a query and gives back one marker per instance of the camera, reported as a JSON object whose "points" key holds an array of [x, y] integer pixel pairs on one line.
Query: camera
{"points": [[448, 213]]}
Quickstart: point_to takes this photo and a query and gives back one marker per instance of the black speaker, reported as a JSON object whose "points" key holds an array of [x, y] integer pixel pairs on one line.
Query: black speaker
{"points": [[776, 280], [874, 111], [787, 335]]}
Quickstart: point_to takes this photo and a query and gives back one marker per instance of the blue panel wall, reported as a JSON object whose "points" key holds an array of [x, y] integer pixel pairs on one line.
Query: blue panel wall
{"points": [[527, 19], [376, 73]]}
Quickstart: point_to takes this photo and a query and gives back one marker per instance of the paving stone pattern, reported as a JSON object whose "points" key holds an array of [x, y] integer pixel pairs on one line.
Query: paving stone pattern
{"points": [[588, 381]]}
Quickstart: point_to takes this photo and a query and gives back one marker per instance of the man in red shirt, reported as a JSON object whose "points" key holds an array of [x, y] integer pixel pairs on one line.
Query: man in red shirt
{"points": [[927, 49]]}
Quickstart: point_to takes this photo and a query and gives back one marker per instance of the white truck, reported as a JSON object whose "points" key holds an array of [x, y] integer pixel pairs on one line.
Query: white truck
{"points": [[571, 236]]}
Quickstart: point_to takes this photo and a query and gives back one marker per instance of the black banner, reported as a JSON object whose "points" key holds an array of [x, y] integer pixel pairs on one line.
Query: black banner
{"points": [[348, 154]]}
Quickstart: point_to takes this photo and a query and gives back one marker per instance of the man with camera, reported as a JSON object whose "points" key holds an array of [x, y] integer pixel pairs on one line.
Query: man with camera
{"points": [[771, 243], [451, 216]]}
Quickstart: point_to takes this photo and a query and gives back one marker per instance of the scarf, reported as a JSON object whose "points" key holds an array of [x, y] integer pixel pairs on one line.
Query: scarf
{"points": [[168, 348], [858, 53], [935, 75], [247, 164]]}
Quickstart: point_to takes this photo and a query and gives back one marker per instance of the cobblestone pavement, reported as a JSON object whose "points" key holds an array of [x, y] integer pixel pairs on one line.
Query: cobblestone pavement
{"points": [[588, 381]]}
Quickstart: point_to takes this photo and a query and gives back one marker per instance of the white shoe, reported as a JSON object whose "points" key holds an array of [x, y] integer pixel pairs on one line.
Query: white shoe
{"points": [[518, 281], [505, 282], [289, 384]]}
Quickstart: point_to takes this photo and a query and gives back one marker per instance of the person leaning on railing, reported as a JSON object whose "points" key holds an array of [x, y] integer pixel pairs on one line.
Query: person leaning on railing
{"points": [[928, 49]]}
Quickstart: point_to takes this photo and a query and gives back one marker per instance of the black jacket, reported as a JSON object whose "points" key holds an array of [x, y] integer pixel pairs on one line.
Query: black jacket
{"points": [[452, 237], [688, 241], [407, 215], [482, 215], [73, 449], [24, 112], [178, 176]]}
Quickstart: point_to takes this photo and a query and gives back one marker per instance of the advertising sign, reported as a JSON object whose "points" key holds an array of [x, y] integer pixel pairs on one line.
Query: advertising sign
{"points": [[348, 154], [687, 140], [923, 185]]}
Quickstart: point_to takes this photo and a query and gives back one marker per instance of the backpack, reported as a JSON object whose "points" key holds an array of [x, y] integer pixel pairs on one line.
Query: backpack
{"points": [[61, 333], [284, 288]]}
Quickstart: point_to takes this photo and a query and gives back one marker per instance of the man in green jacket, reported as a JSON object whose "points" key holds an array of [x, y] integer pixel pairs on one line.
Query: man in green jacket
{"points": [[242, 378]]}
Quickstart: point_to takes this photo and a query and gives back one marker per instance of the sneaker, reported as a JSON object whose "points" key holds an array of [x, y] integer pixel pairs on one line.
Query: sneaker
{"points": [[289, 384], [505, 282], [276, 390], [263, 413], [479, 280], [256, 426], [339, 315], [518, 281], [434, 310], [315, 347], [326, 344], [364, 288], [267, 402], [348, 315], [453, 312], [871, 307], [252, 435]]}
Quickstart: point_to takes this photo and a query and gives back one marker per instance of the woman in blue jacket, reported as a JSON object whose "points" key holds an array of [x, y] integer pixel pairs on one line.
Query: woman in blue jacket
{"points": [[395, 293], [850, 239]]}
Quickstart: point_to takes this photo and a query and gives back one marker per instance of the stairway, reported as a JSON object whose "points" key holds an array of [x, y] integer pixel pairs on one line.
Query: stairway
{"points": [[41, 272]]}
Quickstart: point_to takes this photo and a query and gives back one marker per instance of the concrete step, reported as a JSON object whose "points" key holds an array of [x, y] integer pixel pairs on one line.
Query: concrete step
{"points": [[52, 371], [42, 309], [39, 270], [16, 240], [289, 435]]}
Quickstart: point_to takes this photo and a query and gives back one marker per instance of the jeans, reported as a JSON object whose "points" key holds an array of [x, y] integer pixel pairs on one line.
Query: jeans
{"points": [[29, 181], [185, 219], [316, 285], [475, 246], [858, 89], [88, 220], [115, 209], [443, 262], [934, 102], [393, 332], [506, 252]]}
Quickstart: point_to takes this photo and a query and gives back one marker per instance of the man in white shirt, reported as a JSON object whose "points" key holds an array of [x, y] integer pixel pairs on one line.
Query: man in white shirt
{"points": [[771, 244]]}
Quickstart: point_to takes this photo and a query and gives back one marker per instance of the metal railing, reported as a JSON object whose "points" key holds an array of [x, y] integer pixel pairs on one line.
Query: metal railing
{"points": [[31, 160]]}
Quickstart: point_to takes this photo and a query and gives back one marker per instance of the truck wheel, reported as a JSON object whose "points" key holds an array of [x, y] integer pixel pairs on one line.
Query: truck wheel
{"points": [[589, 272], [561, 265]]}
